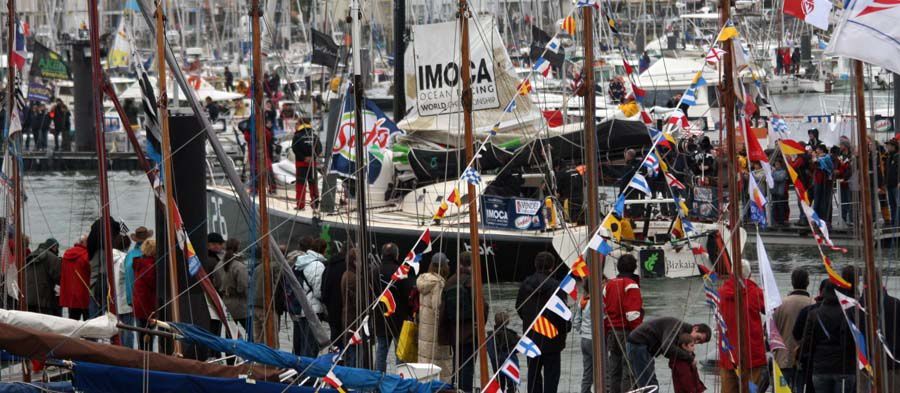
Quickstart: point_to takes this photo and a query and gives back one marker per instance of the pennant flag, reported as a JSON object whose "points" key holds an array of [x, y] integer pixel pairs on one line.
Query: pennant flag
{"points": [[652, 164], [781, 384], [580, 268], [553, 45], [791, 147], [401, 273], [511, 106], [379, 131], [558, 306], [20, 52], [524, 87], [527, 347], [755, 151], [757, 202], [387, 298], [568, 286], [628, 69], [770, 287], [455, 198], [833, 275], [471, 176], [689, 97], [511, 370], [714, 55], [638, 182], [847, 302], [333, 381], [728, 32], [545, 327], [613, 225], [645, 117], [862, 358], [422, 246], [441, 211], [814, 12], [542, 66], [568, 25], [673, 182], [492, 387]]}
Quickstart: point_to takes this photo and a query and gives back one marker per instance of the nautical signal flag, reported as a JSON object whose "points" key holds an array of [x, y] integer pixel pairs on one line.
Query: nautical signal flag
{"points": [[728, 32], [612, 224], [524, 87], [791, 147], [542, 66], [471, 176], [673, 182], [401, 273], [454, 198], [511, 106], [492, 387], [20, 52], [619, 206], [511, 370], [333, 381], [677, 228], [387, 298], [545, 327], [698, 80], [569, 286], [527, 347], [757, 202], [599, 244], [568, 25], [714, 55], [441, 211], [553, 45], [422, 246], [689, 97], [558, 306], [580, 268], [638, 182], [587, 3], [364, 328]]}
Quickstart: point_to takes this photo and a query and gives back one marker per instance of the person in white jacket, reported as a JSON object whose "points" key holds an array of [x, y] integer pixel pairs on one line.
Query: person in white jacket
{"points": [[309, 269], [123, 309]]}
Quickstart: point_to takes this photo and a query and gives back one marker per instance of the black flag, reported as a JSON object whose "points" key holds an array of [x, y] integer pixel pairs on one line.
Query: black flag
{"points": [[325, 51], [48, 64], [539, 40]]}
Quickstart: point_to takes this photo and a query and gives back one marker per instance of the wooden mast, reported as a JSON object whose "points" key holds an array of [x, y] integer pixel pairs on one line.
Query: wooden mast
{"points": [[100, 140], [734, 202], [262, 173], [865, 203], [167, 169], [595, 259], [466, 76]]}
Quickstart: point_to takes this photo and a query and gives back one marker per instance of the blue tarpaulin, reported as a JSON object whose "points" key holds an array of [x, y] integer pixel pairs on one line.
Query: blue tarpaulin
{"points": [[352, 378], [99, 378], [37, 387]]}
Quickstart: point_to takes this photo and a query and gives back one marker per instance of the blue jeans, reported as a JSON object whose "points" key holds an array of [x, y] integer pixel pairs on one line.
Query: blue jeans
{"points": [[643, 365], [846, 205], [382, 345], [466, 373], [127, 335], [834, 383], [893, 194]]}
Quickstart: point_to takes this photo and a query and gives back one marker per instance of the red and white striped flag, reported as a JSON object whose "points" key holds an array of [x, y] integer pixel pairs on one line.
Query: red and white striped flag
{"points": [[511, 370]]}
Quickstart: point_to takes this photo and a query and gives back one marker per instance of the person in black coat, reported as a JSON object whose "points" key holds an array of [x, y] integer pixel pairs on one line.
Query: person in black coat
{"points": [[307, 148], [331, 289], [831, 343], [387, 328], [535, 291], [458, 325]]}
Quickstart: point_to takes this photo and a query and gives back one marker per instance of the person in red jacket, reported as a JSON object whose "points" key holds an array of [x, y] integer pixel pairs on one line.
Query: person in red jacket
{"points": [[754, 307], [74, 280], [144, 292], [624, 310], [685, 377]]}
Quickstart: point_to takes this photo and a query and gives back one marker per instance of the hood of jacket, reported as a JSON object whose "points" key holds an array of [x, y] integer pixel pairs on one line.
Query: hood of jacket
{"points": [[427, 282], [305, 260], [76, 253]]}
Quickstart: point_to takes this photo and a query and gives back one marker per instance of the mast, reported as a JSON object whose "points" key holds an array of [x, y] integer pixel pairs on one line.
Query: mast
{"points": [[596, 260], [734, 202], [865, 203], [362, 233], [17, 175], [466, 76], [262, 174], [167, 170], [399, 66], [100, 139]]}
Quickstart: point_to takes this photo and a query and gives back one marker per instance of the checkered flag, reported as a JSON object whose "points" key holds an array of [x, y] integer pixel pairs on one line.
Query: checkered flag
{"points": [[471, 176]]}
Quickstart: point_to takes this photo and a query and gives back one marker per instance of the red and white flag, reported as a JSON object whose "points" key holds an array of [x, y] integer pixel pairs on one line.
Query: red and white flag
{"points": [[814, 12], [492, 387], [333, 381], [361, 332], [511, 370], [714, 55], [869, 32]]}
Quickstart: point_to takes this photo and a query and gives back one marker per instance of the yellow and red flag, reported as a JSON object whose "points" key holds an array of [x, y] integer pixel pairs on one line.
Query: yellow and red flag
{"points": [[387, 298], [454, 197], [545, 327], [524, 87], [580, 268], [568, 25]]}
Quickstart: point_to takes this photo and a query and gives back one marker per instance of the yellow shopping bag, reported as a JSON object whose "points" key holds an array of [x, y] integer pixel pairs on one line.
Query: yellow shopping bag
{"points": [[408, 344]]}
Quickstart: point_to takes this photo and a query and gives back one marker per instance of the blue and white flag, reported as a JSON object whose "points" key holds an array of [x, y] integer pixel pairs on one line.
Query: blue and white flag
{"points": [[378, 132], [638, 182], [528, 347], [690, 97], [619, 207], [587, 3], [652, 164], [553, 45], [542, 66], [511, 106], [471, 176], [558, 306]]}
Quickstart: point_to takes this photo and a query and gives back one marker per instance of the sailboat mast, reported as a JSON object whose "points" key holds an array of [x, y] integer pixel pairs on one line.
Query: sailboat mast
{"points": [[262, 173], [16, 170], [466, 76], [865, 203], [734, 201], [100, 139], [169, 185], [399, 70], [596, 260]]}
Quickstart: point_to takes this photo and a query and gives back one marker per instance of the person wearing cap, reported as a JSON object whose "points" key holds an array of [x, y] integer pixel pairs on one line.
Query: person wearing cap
{"points": [[431, 287], [307, 148], [140, 235], [215, 251], [41, 276]]}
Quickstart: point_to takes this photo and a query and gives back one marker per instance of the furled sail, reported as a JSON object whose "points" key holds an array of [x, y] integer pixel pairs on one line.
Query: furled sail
{"points": [[103, 326]]}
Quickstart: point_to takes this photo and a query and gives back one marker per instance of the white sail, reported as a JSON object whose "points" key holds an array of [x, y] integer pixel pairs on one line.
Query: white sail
{"points": [[102, 327]]}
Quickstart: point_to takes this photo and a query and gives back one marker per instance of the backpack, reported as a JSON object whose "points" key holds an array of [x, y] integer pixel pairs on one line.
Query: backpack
{"points": [[449, 303]]}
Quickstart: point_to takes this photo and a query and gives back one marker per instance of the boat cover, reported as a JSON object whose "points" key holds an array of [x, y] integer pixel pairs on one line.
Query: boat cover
{"points": [[34, 344], [613, 138], [103, 326], [99, 378], [439, 165], [352, 378], [36, 387]]}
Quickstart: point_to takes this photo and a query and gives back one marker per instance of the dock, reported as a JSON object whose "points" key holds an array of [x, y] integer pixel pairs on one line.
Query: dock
{"points": [[59, 161]]}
